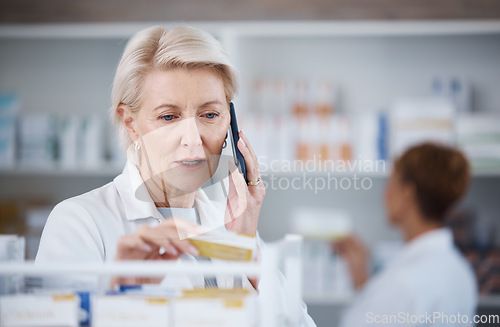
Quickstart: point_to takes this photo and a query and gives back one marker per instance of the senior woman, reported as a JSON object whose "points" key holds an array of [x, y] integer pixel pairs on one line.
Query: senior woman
{"points": [[171, 96]]}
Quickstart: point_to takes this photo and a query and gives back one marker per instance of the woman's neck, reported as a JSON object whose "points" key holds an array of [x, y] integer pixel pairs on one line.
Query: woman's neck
{"points": [[164, 195], [181, 201], [416, 225]]}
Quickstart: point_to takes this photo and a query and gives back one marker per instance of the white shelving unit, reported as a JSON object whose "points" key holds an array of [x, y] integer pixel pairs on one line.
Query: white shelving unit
{"points": [[241, 38], [285, 254], [375, 60], [258, 29]]}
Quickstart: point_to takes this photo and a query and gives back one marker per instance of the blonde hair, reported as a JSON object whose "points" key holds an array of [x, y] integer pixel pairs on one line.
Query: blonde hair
{"points": [[157, 48]]}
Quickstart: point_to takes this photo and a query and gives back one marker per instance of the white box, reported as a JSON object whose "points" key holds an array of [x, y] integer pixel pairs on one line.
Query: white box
{"points": [[9, 107], [215, 312], [39, 310], [130, 311]]}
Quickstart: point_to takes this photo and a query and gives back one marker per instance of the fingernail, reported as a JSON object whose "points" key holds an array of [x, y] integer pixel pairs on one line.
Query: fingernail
{"points": [[146, 247], [173, 251], [243, 142], [192, 250]]}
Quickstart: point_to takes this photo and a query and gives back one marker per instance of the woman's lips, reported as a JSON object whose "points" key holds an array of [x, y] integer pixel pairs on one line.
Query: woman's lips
{"points": [[191, 163]]}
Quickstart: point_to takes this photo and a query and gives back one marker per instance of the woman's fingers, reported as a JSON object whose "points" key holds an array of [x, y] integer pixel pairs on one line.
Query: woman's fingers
{"points": [[132, 247], [251, 161], [172, 234], [248, 145], [167, 240], [237, 195]]}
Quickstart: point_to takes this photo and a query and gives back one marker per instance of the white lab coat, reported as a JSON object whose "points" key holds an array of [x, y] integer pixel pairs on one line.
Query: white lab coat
{"points": [[86, 228], [427, 277]]}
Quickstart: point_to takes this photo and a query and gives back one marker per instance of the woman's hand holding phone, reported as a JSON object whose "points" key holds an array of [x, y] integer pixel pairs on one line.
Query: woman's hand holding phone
{"points": [[244, 201]]}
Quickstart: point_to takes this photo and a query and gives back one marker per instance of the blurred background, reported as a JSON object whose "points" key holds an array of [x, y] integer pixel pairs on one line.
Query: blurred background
{"points": [[331, 92]]}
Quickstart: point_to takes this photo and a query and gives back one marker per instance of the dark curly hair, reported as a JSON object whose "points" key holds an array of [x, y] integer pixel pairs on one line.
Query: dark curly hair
{"points": [[440, 175]]}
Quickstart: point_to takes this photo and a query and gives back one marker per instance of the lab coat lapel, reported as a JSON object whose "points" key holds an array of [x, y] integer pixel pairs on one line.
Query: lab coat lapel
{"points": [[134, 195]]}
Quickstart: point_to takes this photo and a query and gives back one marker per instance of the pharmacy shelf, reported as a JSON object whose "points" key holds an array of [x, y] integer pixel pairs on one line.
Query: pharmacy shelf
{"points": [[285, 251], [489, 301], [258, 28], [130, 268], [55, 170], [484, 301], [111, 171], [332, 300], [384, 171]]}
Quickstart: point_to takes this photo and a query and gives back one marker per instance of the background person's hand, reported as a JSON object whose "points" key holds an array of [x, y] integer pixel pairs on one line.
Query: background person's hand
{"points": [[244, 201], [163, 242], [357, 257]]}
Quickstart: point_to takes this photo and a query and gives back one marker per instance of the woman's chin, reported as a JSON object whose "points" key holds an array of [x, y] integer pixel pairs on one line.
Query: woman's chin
{"points": [[189, 182]]}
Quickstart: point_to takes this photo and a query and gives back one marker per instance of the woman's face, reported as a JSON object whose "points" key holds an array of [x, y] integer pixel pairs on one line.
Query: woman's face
{"points": [[182, 124], [396, 199]]}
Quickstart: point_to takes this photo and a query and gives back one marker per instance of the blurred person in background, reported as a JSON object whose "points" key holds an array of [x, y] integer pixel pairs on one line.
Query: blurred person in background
{"points": [[428, 276], [171, 97]]}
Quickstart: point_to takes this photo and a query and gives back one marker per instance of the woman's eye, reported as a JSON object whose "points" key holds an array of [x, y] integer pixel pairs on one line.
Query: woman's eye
{"points": [[211, 115], [167, 117]]}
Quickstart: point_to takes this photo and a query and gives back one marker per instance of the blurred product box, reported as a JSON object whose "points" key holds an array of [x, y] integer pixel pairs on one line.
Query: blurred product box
{"points": [[191, 308], [93, 141], [37, 139], [57, 310], [44, 140], [130, 311], [479, 137], [81, 141], [416, 120], [371, 135], [456, 89], [215, 307], [9, 108], [35, 219], [12, 249], [321, 223], [325, 273], [68, 133]]}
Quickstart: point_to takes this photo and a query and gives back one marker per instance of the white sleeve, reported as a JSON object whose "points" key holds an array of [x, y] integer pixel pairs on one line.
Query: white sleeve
{"points": [[388, 305], [70, 235]]}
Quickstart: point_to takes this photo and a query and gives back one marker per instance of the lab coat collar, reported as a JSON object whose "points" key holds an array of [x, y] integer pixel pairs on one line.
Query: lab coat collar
{"points": [[138, 203], [133, 193]]}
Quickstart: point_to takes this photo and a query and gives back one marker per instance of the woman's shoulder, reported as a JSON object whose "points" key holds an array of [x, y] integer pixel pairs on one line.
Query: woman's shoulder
{"points": [[95, 197], [87, 205]]}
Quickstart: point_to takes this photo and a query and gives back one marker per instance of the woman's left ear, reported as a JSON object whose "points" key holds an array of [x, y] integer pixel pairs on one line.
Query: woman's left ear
{"points": [[409, 191], [128, 120]]}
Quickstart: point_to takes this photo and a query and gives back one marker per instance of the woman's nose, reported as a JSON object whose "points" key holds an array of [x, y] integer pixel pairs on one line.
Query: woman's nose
{"points": [[190, 133]]}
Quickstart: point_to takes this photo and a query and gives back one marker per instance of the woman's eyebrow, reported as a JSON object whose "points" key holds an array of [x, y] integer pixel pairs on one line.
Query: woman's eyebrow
{"points": [[174, 106], [165, 106], [211, 103]]}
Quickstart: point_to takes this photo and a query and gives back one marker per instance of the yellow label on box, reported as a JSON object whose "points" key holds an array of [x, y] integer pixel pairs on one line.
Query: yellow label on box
{"points": [[157, 300], [202, 293], [221, 251], [63, 297], [233, 303]]}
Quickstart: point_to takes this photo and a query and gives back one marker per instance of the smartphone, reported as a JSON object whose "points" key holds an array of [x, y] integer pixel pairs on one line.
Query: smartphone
{"points": [[233, 130]]}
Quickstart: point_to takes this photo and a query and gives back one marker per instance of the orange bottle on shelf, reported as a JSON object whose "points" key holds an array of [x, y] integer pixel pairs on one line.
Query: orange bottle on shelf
{"points": [[299, 107], [345, 139], [324, 98]]}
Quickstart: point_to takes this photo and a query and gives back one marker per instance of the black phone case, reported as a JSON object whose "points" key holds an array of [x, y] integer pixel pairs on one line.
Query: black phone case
{"points": [[239, 161]]}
